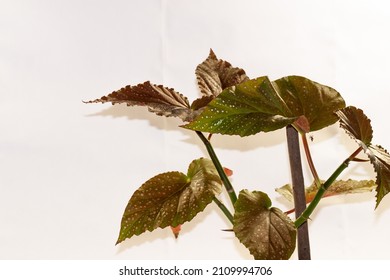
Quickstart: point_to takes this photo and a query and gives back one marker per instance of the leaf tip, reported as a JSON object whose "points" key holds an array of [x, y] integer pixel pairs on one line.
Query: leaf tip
{"points": [[176, 230], [212, 54], [118, 241]]}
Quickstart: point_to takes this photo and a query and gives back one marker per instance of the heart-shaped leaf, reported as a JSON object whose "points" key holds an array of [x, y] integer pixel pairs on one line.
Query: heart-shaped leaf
{"points": [[261, 105], [245, 109], [159, 99], [310, 99], [267, 232], [358, 127], [214, 75], [170, 199]]}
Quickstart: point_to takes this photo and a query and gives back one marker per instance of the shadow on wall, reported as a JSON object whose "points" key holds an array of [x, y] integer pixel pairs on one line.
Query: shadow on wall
{"points": [[240, 144], [185, 236], [227, 142]]}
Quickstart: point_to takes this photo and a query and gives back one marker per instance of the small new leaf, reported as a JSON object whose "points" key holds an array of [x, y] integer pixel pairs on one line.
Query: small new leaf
{"points": [[170, 199], [214, 75], [159, 99], [267, 232], [358, 126]]}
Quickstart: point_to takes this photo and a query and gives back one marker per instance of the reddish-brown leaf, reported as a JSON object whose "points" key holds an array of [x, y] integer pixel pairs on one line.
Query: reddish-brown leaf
{"points": [[358, 126], [380, 159], [159, 99], [214, 75]]}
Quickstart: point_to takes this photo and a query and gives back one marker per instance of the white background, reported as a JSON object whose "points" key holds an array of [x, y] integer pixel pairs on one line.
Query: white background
{"points": [[67, 169]]}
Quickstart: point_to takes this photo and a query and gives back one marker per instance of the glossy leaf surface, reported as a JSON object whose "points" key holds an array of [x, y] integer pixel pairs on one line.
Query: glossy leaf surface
{"points": [[307, 98], [245, 109], [170, 199], [214, 75], [266, 231], [358, 126], [261, 105], [159, 99]]}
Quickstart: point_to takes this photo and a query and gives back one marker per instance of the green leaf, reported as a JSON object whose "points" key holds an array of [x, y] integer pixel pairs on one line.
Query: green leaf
{"points": [[358, 127], [337, 188], [170, 199], [261, 105], [315, 101], [245, 109], [267, 232], [214, 75], [159, 99]]}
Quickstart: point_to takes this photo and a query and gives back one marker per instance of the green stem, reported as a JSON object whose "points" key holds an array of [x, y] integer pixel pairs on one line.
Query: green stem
{"points": [[324, 187], [224, 209], [228, 186]]}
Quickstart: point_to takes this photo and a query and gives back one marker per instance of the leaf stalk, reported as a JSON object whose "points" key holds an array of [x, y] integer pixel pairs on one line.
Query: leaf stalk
{"points": [[324, 187], [224, 209], [228, 186], [310, 162]]}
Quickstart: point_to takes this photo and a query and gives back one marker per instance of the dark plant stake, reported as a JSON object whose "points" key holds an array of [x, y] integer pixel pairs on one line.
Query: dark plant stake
{"points": [[233, 104], [298, 186]]}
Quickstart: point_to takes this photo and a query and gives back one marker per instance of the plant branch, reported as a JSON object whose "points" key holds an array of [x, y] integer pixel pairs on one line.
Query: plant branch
{"points": [[228, 186], [310, 160], [298, 191], [324, 187], [224, 209]]}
